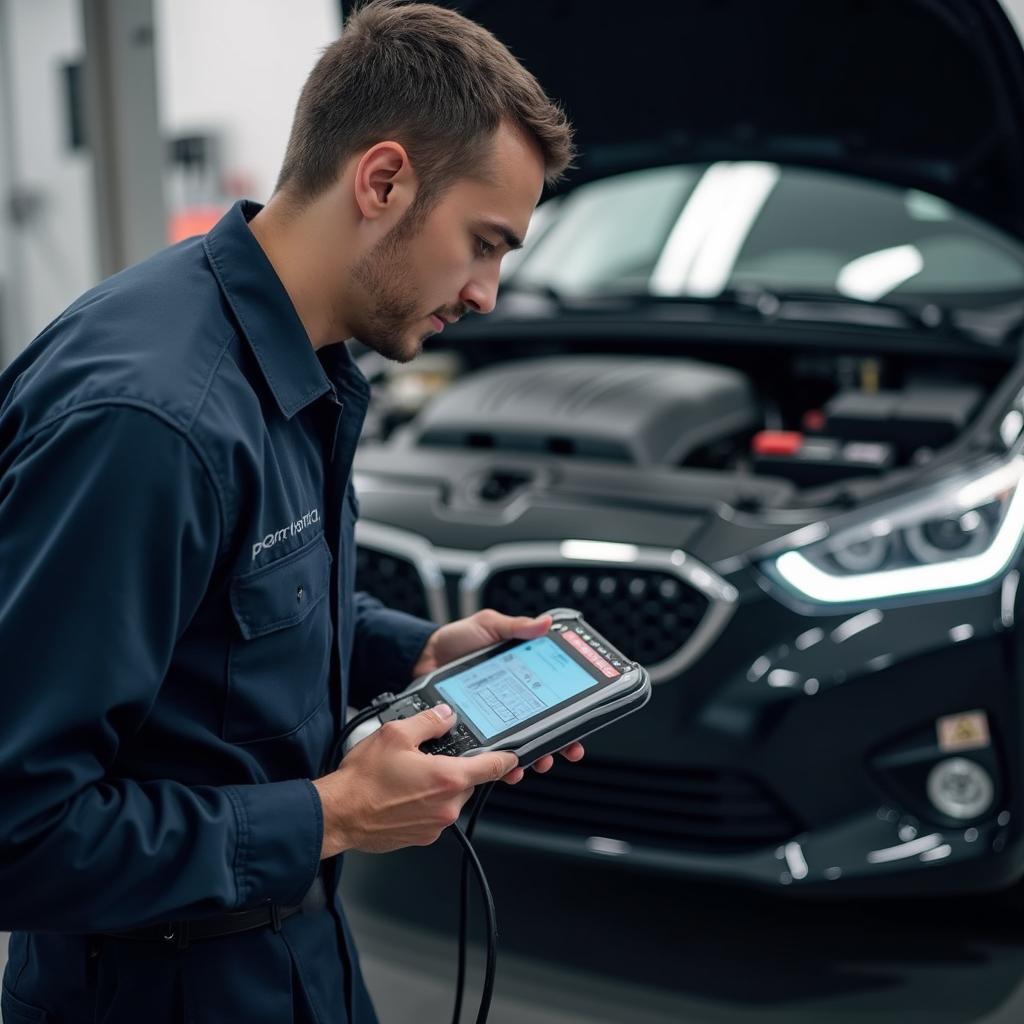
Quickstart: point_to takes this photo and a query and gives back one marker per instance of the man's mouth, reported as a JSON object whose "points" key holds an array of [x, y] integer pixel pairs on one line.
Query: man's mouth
{"points": [[438, 322]]}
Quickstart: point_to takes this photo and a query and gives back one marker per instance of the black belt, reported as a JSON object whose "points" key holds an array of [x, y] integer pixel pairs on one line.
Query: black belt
{"points": [[181, 934]]}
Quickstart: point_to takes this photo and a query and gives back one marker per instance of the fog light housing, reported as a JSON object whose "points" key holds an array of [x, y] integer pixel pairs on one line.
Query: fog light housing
{"points": [[960, 788]]}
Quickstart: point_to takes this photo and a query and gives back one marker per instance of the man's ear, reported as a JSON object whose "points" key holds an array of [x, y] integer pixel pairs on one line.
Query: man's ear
{"points": [[385, 185]]}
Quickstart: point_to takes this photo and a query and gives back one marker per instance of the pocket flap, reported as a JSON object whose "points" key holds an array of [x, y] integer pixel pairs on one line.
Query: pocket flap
{"points": [[283, 593]]}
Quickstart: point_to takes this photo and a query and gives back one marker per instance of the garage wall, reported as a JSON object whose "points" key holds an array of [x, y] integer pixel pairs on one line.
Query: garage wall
{"points": [[48, 242], [235, 67]]}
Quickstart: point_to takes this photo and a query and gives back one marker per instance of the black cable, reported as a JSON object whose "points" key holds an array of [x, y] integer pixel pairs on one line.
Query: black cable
{"points": [[470, 858], [379, 703], [460, 984]]}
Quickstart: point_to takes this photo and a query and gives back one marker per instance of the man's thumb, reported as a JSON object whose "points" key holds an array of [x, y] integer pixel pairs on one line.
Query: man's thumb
{"points": [[429, 724], [524, 628]]}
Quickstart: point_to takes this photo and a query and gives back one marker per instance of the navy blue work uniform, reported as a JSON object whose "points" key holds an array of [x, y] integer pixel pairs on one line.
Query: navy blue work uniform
{"points": [[179, 638]]}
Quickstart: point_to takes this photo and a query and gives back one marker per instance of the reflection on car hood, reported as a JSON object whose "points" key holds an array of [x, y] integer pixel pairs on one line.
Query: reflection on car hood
{"points": [[926, 93]]}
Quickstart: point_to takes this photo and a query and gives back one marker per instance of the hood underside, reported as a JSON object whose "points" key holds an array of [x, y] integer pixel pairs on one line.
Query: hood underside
{"points": [[923, 93]]}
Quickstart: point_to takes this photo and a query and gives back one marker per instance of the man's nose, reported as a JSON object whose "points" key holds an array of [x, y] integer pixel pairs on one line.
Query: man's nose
{"points": [[481, 292]]}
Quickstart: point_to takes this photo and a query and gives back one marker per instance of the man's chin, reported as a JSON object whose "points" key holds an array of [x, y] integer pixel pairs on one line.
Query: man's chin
{"points": [[410, 353], [400, 350]]}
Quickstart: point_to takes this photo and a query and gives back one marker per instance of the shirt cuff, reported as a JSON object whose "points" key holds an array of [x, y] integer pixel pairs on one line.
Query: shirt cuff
{"points": [[409, 637], [391, 642], [280, 836]]}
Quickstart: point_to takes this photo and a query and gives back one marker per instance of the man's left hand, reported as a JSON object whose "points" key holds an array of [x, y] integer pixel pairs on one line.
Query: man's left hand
{"points": [[487, 627]]}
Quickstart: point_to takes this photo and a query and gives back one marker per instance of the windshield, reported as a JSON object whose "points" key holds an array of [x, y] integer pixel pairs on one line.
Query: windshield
{"points": [[700, 230]]}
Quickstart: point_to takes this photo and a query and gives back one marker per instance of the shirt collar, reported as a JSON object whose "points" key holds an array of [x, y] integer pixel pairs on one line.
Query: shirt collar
{"points": [[265, 312], [344, 373]]}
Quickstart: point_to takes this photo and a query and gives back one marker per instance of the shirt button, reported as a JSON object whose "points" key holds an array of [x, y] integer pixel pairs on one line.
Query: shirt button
{"points": [[299, 594]]}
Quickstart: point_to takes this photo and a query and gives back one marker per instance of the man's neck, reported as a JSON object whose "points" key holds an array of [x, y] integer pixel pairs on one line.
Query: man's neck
{"points": [[301, 259]]}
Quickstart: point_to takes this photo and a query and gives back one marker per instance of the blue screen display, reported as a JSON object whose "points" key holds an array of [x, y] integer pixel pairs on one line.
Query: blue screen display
{"points": [[502, 692]]}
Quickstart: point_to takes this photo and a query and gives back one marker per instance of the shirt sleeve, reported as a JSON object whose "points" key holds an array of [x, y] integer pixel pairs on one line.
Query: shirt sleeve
{"points": [[386, 646], [110, 530]]}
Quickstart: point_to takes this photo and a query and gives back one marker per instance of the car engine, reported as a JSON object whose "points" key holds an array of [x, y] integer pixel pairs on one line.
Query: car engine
{"points": [[808, 422], [641, 411]]}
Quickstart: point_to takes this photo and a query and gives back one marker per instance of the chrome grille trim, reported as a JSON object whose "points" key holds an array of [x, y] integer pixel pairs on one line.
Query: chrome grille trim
{"points": [[476, 567], [415, 549], [721, 596]]}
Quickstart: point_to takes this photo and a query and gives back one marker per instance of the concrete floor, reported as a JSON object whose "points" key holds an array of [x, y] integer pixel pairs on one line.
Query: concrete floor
{"points": [[597, 944]]}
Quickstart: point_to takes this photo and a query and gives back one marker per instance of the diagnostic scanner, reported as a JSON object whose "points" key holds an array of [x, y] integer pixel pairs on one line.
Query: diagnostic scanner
{"points": [[531, 697]]}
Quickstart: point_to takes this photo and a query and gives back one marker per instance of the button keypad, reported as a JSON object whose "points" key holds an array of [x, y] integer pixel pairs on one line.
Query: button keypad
{"points": [[452, 743], [592, 641]]}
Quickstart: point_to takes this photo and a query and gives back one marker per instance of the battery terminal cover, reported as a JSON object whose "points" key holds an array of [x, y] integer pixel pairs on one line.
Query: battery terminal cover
{"points": [[777, 442], [815, 459]]}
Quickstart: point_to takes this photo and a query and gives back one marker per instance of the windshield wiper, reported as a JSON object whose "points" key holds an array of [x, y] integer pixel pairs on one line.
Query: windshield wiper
{"points": [[766, 303], [772, 304], [989, 326], [809, 305]]}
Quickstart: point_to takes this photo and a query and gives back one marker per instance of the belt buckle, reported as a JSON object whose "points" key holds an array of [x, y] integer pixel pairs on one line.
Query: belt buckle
{"points": [[177, 935]]}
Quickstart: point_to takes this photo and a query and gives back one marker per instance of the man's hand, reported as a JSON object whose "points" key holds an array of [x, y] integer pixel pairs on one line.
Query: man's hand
{"points": [[481, 630], [388, 794]]}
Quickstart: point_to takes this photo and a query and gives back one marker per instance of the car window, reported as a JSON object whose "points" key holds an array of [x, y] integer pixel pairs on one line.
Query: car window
{"points": [[700, 229], [609, 233]]}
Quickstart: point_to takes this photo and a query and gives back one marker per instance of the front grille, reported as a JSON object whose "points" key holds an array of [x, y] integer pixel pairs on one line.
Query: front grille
{"points": [[680, 808], [393, 580], [647, 613]]}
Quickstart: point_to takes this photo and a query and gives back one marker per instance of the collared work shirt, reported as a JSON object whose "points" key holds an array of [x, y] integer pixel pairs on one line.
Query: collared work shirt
{"points": [[178, 634]]}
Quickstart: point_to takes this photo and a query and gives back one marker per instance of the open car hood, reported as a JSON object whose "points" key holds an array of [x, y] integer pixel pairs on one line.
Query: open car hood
{"points": [[923, 93]]}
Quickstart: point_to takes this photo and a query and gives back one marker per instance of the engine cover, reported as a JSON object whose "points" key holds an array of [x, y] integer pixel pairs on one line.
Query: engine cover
{"points": [[643, 411]]}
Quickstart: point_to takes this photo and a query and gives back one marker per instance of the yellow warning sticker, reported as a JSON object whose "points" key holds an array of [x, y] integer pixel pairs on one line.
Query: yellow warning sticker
{"points": [[965, 731]]}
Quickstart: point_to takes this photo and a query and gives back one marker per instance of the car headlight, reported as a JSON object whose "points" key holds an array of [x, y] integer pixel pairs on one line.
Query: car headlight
{"points": [[965, 532]]}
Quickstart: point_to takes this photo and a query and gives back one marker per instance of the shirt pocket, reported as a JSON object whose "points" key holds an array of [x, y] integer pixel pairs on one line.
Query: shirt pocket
{"points": [[279, 662], [17, 1012]]}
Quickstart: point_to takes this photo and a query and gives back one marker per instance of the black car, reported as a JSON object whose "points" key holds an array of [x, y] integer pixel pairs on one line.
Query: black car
{"points": [[753, 401]]}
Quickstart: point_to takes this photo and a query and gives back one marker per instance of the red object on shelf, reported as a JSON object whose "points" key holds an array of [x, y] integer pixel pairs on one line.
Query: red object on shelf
{"points": [[814, 419], [193, 220], [777, 442]]}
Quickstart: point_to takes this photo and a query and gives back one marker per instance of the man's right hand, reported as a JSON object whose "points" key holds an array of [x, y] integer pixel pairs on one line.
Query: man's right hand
{"points": [[388, 794]]}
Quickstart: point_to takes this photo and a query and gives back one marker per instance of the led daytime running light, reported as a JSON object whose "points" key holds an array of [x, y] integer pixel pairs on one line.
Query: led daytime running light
{"points": [[827, 588]]}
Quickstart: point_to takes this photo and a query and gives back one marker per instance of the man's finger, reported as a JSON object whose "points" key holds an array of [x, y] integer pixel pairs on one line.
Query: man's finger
{"points": [[489, 767]]}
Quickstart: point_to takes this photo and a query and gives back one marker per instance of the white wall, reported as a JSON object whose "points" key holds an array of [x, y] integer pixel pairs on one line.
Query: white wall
{"points": [[49, 258], [8, 312], [237, 66]]}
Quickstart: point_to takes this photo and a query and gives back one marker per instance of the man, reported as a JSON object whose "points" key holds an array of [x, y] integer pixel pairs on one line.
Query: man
{"points": [[179, 636]]}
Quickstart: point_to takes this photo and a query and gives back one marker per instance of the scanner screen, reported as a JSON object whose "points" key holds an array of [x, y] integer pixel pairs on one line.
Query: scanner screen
{"points": [[519, 684]]}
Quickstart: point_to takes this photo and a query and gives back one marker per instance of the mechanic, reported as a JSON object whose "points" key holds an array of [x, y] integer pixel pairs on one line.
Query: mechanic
{"points": [[179, 636]]}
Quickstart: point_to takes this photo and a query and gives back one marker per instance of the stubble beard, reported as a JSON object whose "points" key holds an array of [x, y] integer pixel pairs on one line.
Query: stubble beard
{"points": [[389, 322]]}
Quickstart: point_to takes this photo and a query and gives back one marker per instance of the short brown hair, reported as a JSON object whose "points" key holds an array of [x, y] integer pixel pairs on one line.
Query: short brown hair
{"points": [[428, 78]]}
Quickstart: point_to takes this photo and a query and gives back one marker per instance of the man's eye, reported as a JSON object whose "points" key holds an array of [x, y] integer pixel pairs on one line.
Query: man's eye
{"points": [[483, 247]]}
